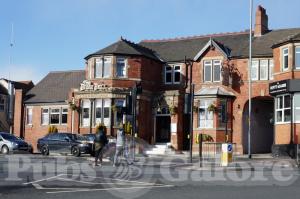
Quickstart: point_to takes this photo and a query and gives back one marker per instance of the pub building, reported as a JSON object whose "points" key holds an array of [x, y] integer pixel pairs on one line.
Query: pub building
{"points": [[217, 64]]}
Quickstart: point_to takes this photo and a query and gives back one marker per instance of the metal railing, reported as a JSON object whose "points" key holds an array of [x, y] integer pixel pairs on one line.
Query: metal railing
{"points": [[212, 153]]}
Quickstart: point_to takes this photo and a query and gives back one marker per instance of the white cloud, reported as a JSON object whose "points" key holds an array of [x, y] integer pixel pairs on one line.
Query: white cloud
{"points": [[21, 73]]}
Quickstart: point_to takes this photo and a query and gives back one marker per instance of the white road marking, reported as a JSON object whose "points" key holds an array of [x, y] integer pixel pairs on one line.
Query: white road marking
{"points": [[45, 179], [114, 188], [37, 186], [94, 183]]}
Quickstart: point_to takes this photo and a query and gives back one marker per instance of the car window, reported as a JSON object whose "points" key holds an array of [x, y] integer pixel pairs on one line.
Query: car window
{"points": [[7, 136]]}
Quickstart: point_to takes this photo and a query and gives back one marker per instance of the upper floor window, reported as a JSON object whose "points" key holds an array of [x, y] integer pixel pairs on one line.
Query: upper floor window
{"points": [[262, 69], [283, 108], [212, 71], [2, 103], [172, 74], [285, 59], [297, 57], [102, 67], [29, 116], [121, 67]]}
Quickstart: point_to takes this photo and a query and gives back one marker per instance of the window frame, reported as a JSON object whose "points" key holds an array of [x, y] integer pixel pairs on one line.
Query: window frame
{"points": [[86, 104], [119, 103], [168, 72], [295, 56], [271, 69], [62, 112], [172, 72], [282, 110], [213, 70], [266, 67], [125, 67], [207, 103], [27, 116], [50, 112], [208, 63], [176, 71], [257, 70], [102, 61], [42, 115], [283, 59], [295, 108]]}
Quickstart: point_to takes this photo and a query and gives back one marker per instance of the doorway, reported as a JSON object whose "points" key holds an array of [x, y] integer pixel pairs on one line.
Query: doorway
{"points": [[163, 131], [262, 133]]}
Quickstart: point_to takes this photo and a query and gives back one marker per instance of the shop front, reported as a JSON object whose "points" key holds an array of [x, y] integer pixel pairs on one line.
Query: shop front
{"points": [[287, 116]]}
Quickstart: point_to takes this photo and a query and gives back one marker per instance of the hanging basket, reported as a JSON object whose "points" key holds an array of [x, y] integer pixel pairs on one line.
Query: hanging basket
{"points": [[212, 108], [173, 110]]}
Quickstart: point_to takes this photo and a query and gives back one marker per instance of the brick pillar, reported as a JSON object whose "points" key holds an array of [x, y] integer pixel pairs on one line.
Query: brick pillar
{"points": [[18, 113]]}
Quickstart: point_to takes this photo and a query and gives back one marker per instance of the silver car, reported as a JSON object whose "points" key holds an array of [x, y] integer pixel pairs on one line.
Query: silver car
{"points": [[10, 144]]}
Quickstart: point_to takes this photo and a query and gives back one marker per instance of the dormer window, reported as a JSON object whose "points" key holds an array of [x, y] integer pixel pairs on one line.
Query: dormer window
{"points": [[103, 67], [121, 67], [285, 59], [212, 70]]}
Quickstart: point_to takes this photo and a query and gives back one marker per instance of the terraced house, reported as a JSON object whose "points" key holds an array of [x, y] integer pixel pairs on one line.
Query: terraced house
{"points": [[76, 101]]}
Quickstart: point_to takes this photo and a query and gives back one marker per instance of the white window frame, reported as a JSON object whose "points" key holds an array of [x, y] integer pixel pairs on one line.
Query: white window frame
{"points": [[119, 103], [217, 63], [125, 67], [208, 63], [28, 110], [205, 122], [296, 108], [102, 61], [103, 104], [271, 69], [256, 70], [176, 71], [266, 68], [277, 109], [45, 122], [62, 112], [55, 113], [283, 59], [85, 122], [297, 48]]}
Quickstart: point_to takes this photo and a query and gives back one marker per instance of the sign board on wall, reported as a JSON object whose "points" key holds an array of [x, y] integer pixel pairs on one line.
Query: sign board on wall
{"points": [[279, 87]]}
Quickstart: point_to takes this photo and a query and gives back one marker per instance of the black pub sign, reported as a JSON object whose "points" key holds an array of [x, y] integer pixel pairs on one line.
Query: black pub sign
{"points": [[279, 87]]}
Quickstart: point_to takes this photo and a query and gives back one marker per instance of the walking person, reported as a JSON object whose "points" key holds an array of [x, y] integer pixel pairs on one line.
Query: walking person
{"points": [[120, 146], [99, 143]]}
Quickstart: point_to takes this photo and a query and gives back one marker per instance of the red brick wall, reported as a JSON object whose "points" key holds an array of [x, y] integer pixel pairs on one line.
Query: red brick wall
{"points": [[18, 113]]}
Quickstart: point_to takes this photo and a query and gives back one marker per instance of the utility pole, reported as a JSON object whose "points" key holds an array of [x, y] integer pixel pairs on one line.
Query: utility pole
{"points": [[250, 81]]}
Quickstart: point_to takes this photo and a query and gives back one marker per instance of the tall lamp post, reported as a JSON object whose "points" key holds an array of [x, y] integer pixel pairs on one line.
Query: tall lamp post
{"points": [[250, 80]]}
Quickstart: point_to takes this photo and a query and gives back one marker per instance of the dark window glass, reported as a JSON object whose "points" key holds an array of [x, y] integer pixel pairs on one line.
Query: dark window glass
{"points": [[98, 112], [287, 115], [169, 77], [85, 113], [287, 101], [54, 119], [106, 112]]}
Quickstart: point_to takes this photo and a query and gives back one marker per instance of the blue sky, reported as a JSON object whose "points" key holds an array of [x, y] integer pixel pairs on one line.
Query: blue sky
{"points": [[55, 35]]}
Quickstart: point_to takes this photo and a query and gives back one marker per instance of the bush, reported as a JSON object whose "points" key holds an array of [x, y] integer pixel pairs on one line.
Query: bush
{"points": [[52, 129]]}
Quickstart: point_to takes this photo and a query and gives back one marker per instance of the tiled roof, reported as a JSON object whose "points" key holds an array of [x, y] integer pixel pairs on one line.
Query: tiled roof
{"points": [[125, 47], [173, 50], [55, 87]]}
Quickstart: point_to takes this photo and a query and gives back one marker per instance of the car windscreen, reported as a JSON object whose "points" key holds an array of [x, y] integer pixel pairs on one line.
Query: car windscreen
{"points": [[90, 137], [7, 136]]}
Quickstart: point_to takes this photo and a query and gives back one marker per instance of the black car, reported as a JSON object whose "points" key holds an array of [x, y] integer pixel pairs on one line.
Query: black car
{"points": [[64, 143]]}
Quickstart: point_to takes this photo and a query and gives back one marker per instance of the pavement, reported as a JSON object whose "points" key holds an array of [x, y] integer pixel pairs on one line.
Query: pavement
{"points": [[63, 177]]}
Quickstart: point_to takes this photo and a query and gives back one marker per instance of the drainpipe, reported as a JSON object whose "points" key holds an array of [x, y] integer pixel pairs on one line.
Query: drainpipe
{"points": [[292, 118]]}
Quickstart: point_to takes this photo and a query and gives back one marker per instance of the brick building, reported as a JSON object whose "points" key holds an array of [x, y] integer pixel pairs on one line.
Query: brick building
{"points": [[217, 65]]}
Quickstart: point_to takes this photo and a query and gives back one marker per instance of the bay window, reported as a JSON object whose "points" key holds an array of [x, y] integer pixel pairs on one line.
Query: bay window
{"points": [[86, 105], [285, 59], [102, 111], [205, 116], [283, 108], [121, 67], [297, 57], [102, 67]]}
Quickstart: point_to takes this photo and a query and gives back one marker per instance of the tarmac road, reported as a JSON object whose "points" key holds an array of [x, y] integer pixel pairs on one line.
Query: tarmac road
{"points": [[60, 177]]}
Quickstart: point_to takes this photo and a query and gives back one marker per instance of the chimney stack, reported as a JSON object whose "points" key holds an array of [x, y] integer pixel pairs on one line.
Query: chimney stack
{"points": [[261, 22]]}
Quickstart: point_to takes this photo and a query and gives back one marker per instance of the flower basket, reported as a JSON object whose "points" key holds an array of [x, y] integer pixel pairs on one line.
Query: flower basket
{"points": [[73, 107], [212, 108], [173, 110]]}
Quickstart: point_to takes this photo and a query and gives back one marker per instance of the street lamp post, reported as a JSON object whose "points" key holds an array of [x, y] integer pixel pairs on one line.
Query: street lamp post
{"points": [[250, 80]]}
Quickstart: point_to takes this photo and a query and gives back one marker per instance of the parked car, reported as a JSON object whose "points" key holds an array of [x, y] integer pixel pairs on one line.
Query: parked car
{"points": [[10, 143], [64, 143], [109, 149]]}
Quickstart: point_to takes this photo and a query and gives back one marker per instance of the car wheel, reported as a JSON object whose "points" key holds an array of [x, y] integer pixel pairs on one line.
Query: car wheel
{"points": [[4, 150], [75, 151], [45, 150]]}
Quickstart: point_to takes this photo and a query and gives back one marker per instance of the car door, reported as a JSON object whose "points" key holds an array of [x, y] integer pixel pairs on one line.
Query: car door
{"points": [[65, 143], [1, 142], [53, 141]]}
